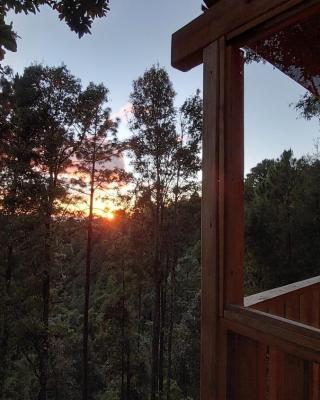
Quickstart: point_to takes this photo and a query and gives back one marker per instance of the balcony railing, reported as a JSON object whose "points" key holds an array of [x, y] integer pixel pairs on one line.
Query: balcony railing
{"points": [[274, 353]]}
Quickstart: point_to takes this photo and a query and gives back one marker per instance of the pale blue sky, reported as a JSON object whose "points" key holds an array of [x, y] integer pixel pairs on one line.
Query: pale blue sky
{"points": [[137, 34]]}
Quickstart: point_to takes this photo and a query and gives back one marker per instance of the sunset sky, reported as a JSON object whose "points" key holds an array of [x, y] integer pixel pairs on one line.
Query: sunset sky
{"points": [[137, 34]]}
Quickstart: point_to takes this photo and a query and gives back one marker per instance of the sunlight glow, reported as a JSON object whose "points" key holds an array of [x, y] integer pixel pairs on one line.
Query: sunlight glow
{"points": [[110, 215]]}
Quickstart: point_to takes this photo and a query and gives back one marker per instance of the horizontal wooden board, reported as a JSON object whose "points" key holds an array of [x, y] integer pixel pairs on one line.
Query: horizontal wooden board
{"points": [[225, 16], [293, 337], [296, 287]]}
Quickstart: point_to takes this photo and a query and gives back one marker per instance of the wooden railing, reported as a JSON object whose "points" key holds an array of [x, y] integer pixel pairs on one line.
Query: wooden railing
{"points": [[274, 344], [298, 301]]}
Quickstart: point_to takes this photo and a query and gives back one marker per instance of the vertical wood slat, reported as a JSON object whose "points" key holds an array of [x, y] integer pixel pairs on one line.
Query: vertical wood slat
{"points": [[297, 383], [296, 379], [233, 176], [210, 225], [289, 377], [223, 334], [316, 323], [247, 369], [293, 377], [309, 303], [222, 212], [276, 358], [243, 382]]}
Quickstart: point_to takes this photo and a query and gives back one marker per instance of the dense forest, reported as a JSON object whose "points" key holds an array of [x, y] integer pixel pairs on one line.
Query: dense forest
{"points": [[100, 266]]}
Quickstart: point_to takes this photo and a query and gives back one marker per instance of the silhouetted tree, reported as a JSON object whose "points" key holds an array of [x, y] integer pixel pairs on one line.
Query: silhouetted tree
{"points": [[79, 16]]}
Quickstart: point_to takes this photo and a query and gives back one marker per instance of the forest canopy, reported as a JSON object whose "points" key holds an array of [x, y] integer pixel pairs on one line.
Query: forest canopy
{"points": [[100, 265]]}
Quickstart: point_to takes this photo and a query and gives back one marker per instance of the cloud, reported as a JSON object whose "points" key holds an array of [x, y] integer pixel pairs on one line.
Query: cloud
{"points": [[124, 113]]}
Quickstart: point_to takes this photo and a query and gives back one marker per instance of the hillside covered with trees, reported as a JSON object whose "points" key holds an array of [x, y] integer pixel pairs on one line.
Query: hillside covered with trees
{"points": [[104, 303]]}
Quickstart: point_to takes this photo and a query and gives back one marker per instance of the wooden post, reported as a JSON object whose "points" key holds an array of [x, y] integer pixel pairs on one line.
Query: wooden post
{"points": [[222, 208], [210, 225], [226, 351]]}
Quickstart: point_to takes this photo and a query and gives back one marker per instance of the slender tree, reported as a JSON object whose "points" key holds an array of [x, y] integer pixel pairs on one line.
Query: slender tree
{"points": [[44, 133], [97, 166], [152, 145], [158, 151]]}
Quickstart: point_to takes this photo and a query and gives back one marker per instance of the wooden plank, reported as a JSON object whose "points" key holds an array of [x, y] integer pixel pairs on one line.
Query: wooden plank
{"points": [[306, 307], [262, 370], [223, 334], [276, 360], [273, 22], [222, 364], [210, 256], [221, 189], [293, 306], [296, 382], [277, 341], [315, 385], [316, 307], [275, 380], [243, 382], [315, 382], [298, 287], [233, 178], [224, 17], [293, 337], [292, 367]]}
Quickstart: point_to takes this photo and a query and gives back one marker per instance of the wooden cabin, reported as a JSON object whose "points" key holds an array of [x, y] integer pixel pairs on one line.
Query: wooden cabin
{"points": [[265, 346]]}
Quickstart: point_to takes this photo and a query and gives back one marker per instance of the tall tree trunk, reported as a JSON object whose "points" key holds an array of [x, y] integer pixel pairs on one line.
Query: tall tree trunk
{"points": [[173, 284], [44, 347], [122, 335], [128, 370], [139, 318], [163, 304], [157, 295], [87, 287], [155, 337], [46, 275], [6, 326], [170, 333]]}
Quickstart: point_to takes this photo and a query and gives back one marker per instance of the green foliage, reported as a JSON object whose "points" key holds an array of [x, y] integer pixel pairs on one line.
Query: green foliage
{"points": [[49, 124], [145, 264], [78, 15], [282, 221]]}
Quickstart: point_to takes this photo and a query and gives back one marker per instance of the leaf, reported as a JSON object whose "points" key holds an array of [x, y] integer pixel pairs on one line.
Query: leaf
{"points": [[8, 37]]}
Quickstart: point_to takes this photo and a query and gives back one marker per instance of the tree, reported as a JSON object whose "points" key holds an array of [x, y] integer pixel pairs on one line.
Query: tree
{"points": [[187, 164], [282, 221], [43, 133], [52, 132], [164, 161], [99, 149], [153, 148], [79, 16]]}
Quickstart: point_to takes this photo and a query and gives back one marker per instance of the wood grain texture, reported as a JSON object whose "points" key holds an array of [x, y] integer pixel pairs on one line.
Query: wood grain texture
{"points": [[293, 337], [243, 379], [210, 256], [232, 176], [297, 287], [224, 17]]}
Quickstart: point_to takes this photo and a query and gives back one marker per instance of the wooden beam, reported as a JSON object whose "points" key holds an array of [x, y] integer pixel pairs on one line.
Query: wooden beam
{"points": [[221, 19], [209, 217], [232, 176], [222, 208], [296, 287], [295, 338]]}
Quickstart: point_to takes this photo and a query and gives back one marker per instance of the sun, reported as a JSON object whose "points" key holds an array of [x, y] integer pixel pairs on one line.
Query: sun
{"points": [[110, 215]]}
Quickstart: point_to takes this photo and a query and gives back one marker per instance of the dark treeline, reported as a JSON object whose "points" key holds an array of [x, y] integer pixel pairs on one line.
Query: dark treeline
{"points": [[282, 204], [109, 309], [91, 307]]}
